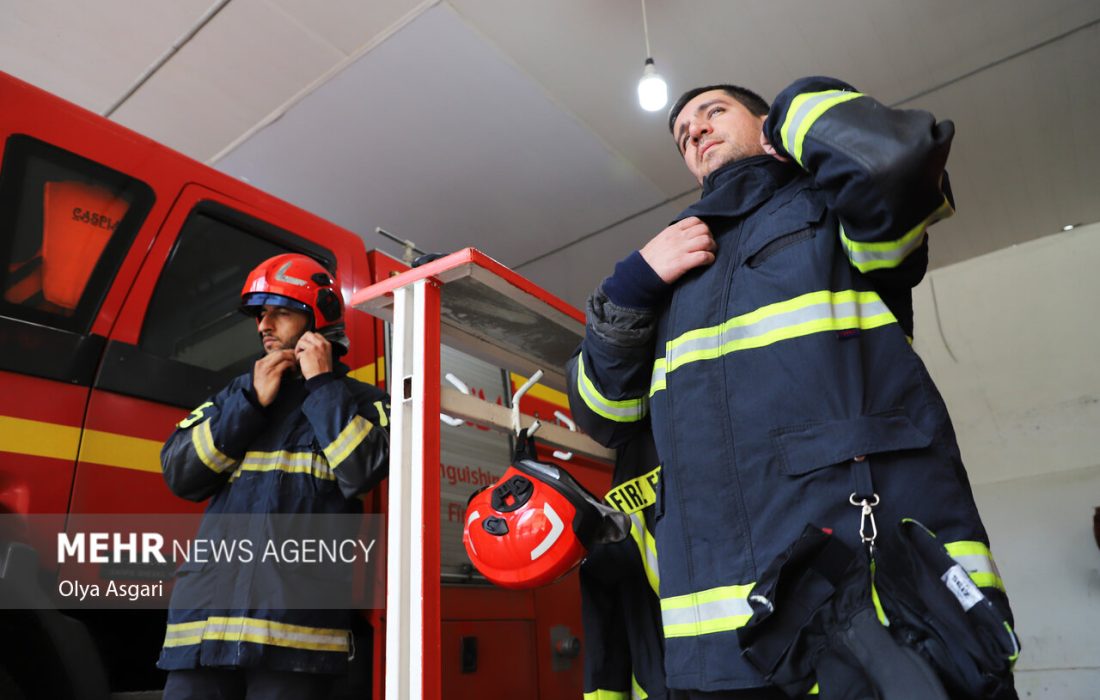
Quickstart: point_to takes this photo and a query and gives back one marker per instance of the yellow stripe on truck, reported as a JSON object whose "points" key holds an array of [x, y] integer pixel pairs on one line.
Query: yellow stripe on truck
{"points": [[125, 451], [38, 438], [57, 441]]}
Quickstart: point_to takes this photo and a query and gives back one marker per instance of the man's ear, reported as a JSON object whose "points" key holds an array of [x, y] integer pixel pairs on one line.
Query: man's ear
{"points": [[767, 145]]}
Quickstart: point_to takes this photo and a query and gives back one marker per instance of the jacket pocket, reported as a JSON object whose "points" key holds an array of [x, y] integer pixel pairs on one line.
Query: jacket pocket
{"points": [[812, 446], [777, 245], [796, 222]]}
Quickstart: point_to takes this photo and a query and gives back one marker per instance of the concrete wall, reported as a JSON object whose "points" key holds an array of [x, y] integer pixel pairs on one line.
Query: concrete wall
{"points": [[1013, 341]]}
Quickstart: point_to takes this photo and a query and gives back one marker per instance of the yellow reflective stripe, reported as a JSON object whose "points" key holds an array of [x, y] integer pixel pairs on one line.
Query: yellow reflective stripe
{"points": [[647, 550], [632, 497], [183, 633], [657, 380], [816, 690], [257, 631], [601, 694], [877, 255], [202, 439], [876, 601], [637, 692], [803, 112], [620, 411], [977, 560], [804, 315], [348, 439], [721, 609], [286, 461], [38, 438]]}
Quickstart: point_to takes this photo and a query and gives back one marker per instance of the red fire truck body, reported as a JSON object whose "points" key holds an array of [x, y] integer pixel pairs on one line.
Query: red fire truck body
{"points": [[120, 265]]}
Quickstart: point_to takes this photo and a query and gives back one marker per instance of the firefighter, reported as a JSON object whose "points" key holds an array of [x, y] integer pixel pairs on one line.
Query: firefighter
{"points": [[765, 335], [295, 435]]}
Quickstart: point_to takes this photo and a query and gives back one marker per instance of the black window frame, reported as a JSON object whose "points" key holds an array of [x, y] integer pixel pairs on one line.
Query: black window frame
{"points": [[132, 370], [44, 344]]}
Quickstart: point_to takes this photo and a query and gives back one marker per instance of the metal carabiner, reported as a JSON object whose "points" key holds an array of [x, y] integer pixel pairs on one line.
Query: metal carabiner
{"points": [[866, 514]]}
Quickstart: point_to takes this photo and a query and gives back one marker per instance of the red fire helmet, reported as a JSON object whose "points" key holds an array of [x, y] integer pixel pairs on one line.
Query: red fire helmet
{"points": [[535, 524], [296, 282]]}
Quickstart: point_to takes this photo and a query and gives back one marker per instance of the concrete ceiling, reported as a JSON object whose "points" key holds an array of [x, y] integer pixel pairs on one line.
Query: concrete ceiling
{"points": [[512, 126]]}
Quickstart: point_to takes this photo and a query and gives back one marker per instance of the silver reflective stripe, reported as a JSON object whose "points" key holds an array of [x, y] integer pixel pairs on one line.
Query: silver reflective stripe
{"points": [[809, 313], [202, 439], [712, 345], [620, 411], [866, 260], [876, 255], [657, 380], [804, 110], [646, 550], [981, 568], [349, 438], [257, 629], [703, 612], [721, 609], [286, 461]]}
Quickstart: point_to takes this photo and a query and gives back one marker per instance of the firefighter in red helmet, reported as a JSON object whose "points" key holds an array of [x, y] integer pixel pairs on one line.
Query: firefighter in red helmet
{"points": [[294, 436]]}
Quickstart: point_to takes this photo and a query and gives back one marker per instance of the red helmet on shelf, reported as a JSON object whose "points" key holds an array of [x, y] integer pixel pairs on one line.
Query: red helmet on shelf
{"points": [[298, 282], [535, 524]]}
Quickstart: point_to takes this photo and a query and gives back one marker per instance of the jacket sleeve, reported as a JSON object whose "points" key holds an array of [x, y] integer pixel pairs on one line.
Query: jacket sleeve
{"points": [[208, 445], [351, 421], [610, 374], [882, 171]]}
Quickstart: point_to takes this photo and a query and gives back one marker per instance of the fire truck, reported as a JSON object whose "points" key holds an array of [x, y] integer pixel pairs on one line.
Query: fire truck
{"points": [[121, 264]]}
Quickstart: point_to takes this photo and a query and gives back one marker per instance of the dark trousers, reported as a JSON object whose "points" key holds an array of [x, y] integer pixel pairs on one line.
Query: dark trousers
{"points": [[241, 684]]}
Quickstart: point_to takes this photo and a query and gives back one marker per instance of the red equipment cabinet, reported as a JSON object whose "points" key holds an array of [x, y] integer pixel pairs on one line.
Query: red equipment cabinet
{"points": [[103, 350]]}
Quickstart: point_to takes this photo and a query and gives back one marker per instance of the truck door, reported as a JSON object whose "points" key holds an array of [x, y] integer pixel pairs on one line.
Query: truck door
{"points": [[71, 241], [178, 340]]}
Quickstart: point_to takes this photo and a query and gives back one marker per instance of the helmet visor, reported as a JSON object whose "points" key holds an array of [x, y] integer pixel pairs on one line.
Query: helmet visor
{"points": [[253, 303]]}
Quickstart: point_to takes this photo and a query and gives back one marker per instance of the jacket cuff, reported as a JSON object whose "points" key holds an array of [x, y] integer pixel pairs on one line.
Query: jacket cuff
{"points": [[320, 380], [635, 285]]}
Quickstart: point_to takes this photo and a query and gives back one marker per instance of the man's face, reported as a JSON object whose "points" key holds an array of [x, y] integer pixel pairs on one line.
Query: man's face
{"points": [[280, 328], [714, 129]]}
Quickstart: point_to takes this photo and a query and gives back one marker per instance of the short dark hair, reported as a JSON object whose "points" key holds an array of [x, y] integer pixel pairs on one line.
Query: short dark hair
{"points": [[756, 104]]}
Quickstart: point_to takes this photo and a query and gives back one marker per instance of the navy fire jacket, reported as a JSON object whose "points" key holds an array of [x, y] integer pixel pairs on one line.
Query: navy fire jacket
{"points": [[318, 445]]}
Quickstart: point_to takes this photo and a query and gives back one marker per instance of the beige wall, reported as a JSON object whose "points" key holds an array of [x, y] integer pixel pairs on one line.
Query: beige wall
{"points": [[1015, 351]]}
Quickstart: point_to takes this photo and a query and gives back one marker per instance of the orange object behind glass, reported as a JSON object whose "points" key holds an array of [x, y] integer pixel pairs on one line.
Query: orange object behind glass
{"points": [[78, 220]]}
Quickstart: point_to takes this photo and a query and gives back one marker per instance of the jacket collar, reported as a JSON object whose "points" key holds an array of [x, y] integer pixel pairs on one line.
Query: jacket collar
{"points": [[739, 187]]}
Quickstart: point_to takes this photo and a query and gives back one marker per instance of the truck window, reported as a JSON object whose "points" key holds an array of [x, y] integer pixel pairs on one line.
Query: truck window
{"points": [[192, 317], [66, 223]]}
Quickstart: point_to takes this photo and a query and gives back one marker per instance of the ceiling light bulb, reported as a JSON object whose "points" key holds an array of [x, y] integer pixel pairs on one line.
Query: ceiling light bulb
{"points": [[652, 90]]}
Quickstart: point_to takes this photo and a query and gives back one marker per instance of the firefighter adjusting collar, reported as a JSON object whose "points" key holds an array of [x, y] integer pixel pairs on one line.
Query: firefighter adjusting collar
{"points": [[298, 282]]}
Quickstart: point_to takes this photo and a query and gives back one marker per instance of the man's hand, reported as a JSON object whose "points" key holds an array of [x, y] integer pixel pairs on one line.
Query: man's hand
{"points": [[685, 245], [314, 355], [267, 374]]}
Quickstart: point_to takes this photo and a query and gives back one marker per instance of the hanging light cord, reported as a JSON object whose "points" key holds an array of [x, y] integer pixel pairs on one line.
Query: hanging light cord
{"points": [[645, 31]]}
